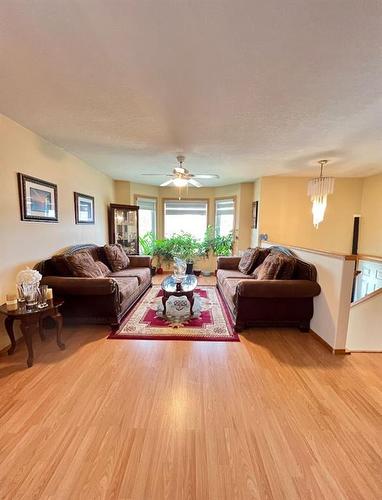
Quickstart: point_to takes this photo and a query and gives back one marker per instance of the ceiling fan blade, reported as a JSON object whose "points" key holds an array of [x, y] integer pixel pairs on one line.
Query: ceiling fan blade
{"points": [[167, 183], [194, 183], [206, 176], [163, 175]]}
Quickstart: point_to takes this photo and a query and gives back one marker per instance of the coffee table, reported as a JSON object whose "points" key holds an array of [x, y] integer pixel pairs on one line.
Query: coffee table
{"points": [[32, 320], [186, 287]]}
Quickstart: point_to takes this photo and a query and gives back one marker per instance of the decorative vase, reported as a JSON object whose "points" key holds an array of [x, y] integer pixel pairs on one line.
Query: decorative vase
{"points": [[31, 293], [179, 269], [189, 268], [28, 282]]}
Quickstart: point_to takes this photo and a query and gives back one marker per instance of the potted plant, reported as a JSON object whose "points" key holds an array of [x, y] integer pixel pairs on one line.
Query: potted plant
{"points": [[222, 245], [184, 246], [146, 245], [159, 252]]}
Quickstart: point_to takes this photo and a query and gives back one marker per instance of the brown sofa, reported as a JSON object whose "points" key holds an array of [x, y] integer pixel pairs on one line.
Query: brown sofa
{"points": [[97, 300], [255, 302]]}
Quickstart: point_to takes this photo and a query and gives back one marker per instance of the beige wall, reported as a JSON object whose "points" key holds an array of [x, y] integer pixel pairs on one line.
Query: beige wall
{"points": [[25, 243], [122, 192], [285, 213], [370, 240]]}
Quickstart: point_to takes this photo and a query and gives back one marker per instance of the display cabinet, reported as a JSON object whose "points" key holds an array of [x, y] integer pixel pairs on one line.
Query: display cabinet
{"points": [[123, 227]]}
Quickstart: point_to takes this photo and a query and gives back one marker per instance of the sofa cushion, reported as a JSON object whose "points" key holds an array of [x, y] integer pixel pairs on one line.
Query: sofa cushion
{"points": [[83, 265], [143, 274], [275, 266], [229, 287], [116, 257], [247, 261], [223, 274], [127, 286]]}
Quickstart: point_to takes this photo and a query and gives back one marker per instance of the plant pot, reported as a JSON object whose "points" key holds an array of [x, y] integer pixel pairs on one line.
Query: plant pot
{"points": [[197, 272], [189, 268], [153, 270], [160, 270]]}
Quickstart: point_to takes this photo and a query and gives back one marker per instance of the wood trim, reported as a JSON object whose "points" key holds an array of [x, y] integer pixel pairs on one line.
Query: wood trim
{"points": [[336, 255], [163, 200], [374, 258], [366, 297], [156, 198], [328, 346]]}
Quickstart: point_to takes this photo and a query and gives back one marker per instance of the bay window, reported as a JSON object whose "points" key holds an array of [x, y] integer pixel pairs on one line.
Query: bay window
{"points": [[189, 216], [224, 216]]}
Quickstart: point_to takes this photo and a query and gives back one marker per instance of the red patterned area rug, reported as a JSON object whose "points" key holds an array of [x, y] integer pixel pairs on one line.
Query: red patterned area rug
{"points": [[210, 320]]}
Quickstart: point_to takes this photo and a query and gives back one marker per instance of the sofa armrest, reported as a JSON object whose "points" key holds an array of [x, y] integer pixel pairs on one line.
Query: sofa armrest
{"points": [[80, 286], [140, 260], [278, 288], [230, 263]]}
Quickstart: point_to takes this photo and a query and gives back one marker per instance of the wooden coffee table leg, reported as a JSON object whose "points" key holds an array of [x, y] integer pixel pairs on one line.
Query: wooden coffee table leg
{"points": [[164, 300], [27, 328], [58, 320], [191, 300], [9, 327]]}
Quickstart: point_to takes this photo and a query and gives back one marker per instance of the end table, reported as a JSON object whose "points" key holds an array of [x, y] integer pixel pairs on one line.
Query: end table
{"points": [[32, 320]]}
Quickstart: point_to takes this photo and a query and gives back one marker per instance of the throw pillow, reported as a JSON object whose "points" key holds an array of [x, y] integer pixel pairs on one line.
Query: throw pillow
{"points": [[103, 267], [248, 260], [83, 265], [61, 265], [116, 257], [275, 266]]}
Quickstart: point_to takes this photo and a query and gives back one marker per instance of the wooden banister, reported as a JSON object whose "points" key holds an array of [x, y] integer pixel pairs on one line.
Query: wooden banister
{"points": [[366, 297]]}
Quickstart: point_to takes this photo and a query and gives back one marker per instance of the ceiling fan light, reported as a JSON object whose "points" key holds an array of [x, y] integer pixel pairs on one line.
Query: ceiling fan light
{"points": [[179, 182]]}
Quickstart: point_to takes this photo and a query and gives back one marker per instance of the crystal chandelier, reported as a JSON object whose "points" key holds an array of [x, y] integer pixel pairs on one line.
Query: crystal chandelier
{"points": [[318, 190]]}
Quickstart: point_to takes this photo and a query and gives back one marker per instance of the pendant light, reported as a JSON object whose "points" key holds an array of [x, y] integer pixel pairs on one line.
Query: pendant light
{"points": [[318, 190]]}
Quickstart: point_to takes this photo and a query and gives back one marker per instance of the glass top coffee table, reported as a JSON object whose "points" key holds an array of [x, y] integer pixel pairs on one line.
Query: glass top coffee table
{"points": [[170, 286]]}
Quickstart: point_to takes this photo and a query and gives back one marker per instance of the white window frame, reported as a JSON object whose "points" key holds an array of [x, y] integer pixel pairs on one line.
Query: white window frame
{"points": [[225, 199], [154, 200]]}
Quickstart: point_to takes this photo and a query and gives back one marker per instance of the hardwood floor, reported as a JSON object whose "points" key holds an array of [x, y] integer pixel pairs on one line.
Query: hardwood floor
{"points": [[274, 416]]}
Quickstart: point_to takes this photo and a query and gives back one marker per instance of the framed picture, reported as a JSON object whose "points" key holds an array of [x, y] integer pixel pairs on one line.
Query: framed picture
{"points": [[38, 199], [255, 208], [84, 208]]}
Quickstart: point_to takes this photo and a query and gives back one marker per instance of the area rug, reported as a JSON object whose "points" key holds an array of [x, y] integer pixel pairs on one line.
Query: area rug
{"points": [[210, 320]]}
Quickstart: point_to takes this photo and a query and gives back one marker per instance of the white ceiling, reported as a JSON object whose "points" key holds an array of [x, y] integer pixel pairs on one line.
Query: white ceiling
{"points": [[243, 87]]}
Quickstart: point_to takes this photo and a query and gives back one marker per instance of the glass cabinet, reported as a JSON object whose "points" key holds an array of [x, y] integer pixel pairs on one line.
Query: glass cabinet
{"points": [[123, 227]]}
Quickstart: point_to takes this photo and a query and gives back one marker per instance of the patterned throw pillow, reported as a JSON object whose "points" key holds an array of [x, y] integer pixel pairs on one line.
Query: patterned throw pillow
{"points": [[83, 265], [276, 266], [103, 267], [248, 260], [116, 257]]}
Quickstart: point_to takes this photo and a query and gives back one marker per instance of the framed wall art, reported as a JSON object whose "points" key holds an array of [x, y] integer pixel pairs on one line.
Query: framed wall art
{"points": [[38, 199], [84, 208]]}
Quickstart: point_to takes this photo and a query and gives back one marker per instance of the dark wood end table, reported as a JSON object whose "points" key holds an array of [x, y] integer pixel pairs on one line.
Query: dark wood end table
{"points": [[32, 320], [185, 288]]}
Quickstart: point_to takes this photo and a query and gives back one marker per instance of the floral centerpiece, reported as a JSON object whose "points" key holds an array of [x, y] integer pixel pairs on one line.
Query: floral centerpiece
{"points": [[28, 282]]}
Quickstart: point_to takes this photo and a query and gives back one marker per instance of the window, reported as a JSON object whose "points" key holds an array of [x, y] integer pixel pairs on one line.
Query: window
{"points": [[224, 216], [147, 216], [185, 215]]}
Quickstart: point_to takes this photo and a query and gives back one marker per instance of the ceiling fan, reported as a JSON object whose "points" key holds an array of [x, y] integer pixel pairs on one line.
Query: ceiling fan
{"points": [[181, 177]]}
